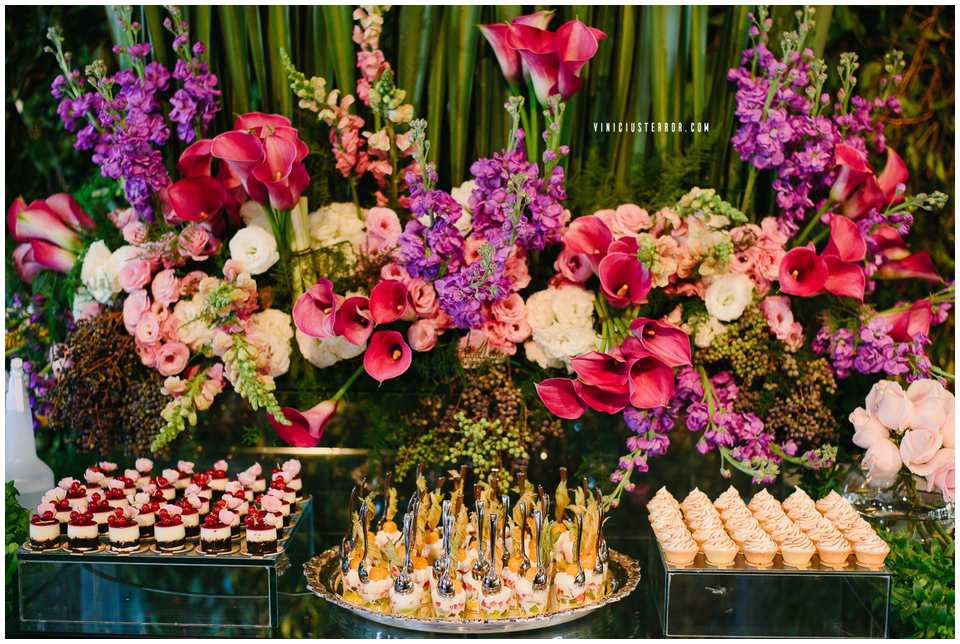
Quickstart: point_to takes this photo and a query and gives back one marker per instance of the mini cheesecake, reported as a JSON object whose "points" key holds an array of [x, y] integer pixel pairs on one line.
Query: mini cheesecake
{"points": [[144, 469], [215, 533], [235, 488], [101, 511], [109, 470], [184, 474], [165, 488], [124, 531], [202, 481], [117, 497], [130, 482], [235, 522], [218, 476], [94, 478], [83, 534], [44, 528], [254, 474], [61, 513], [191, 519], [77, 496], [286, 493], [261, 533], [146, 517], [278, 506], [169, 532], [291, 472]]}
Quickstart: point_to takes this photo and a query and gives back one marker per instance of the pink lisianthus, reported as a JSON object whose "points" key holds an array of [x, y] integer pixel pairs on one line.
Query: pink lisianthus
{"points": [[510, 309], [136, 304], [779, 318], [423, 298], [148, 354], [147, 332], [516, 269], [471, 249], [383, 230], [394, 271], [196, 242], [172, 358], [134, 274], [422, 335], [165, 287], [135, 233], [573, 267]]}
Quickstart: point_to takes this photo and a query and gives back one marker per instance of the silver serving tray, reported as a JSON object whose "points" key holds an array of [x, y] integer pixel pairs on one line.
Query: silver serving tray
{"points": [[323, 578]]}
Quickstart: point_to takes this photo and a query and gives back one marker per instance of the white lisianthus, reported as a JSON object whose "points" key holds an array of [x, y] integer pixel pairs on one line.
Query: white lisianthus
{"points": [[325, 352], [707, 330], [254, 214], [275, 328], [561, 321], [254, 249], [98, 274], [728, 295], [339, 224], [461, 194], [191, 330]]}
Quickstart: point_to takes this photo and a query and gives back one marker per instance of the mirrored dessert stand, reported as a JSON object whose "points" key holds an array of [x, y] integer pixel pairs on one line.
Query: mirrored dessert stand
{"points": [[741, 601], [323, 578], [149, 593]]}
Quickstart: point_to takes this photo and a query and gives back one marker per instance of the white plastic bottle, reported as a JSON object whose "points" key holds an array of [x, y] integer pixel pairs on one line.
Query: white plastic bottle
{"points": [[32, 476]]}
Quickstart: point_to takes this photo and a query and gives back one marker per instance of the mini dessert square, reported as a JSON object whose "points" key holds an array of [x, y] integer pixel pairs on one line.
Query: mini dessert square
{"points": [[101, 511], [44, 528], [124, 531], [83, 534], [168, 531], [261, 533], [146, 515], [190, 513], [215, 532], [218, 476]]}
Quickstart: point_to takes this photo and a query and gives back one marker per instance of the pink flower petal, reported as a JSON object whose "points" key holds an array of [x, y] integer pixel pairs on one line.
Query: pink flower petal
{"points": [[388, 301], [560, 396], [846, 240], [624, 279], [802, 272], [600, 399], [305, 428], [668, 343], [387, 356], [353, 320], [845, 279], [589, 236], [651, 383], [600, 370], [314, 312], [196, 198]]}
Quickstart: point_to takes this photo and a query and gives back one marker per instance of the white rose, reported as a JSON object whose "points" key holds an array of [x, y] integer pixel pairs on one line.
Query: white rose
{"points": [[254, 214], [461, 195], [97, 272], [728, 295], [325, 352], [192, 331], [343, 348], [276, 329], [707, 331], [540, 309], [254, 249], [573, 306], [536, 354]]}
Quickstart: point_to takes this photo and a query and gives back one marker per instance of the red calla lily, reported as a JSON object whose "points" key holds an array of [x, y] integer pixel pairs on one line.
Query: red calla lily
{"points": [[69, 211], [257, 120], [601, 399], [875, 191], [388, 301], [626, 245], [846, 241], [589, 236], [666, 342], [907, 324], [802, 272], [498, 35], [387, 356], [845, 279], [242, 151], [196, 198], [576, 44], [854, 169], [306, 427], [196, 160], [314, 312], [353, 320], [624, 279], [559, 395], [651, 383], [600, 370]]}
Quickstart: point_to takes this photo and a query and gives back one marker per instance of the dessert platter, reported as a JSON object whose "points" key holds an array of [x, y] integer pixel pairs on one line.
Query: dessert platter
{"points": [[799, 534], [482, 562], [177, 511]]}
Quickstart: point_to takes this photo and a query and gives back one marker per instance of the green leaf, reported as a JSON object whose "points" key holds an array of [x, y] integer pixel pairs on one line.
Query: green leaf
{"points": [[278, 38], [461, 57], [157, 35], [235, 54], [201, 26], [437, 89], [339, 26], [255, 37]]}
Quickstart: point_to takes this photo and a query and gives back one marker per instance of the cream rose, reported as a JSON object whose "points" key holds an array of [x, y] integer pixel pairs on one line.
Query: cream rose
{"points": [[917, 449], [254, 249], [97, 273], [276, 331], [728, 295], [867, 429], [882, 463], [888, 403]]}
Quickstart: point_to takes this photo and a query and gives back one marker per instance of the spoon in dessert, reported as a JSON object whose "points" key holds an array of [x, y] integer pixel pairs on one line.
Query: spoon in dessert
{"points": [[525, 564], [479, 564], [445, 584], [440, 565], [505, 501], [404, 584], [387, 482], [540, 578], [362, 567], [491, 583], [581, 577], [346, 544], [601, 542]]}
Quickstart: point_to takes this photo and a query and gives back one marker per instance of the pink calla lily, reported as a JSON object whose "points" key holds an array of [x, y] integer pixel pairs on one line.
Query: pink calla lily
{"points": [[306, 427], [894, 174], [25, 263], [907, 324], [874, 191], [388, 301], [559, 395], [576, 44], [52, 256], [651, 383], [600, 370], [539, 19], [913, 266], [69, 211], [601, 399], [242, 151], [666, 342], [257, 120], [353, 320], [854, 168], [802, 272], [626, 245], [537, 50], [589, 236], [624, 279], [846, 241], [314, 312], [40, 223], [197, 159], [387, 356], [196, 198], [498, 35], [17, 206], [844, 279]]}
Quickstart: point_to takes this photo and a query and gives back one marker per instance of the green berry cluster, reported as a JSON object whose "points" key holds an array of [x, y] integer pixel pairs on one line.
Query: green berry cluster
{"points": [[747, 346]]}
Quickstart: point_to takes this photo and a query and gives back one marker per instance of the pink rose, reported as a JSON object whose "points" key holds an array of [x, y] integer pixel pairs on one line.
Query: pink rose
{"points": [[516, 270], [929, 400], [947, 429], [422, 335], [497, 337], [136, 304], [166, 287], [574, 267], [170, 328], [148, 329], [383, 229], [394, 271], [123, 217], [882, 463], [609, 217], [134, 274], [190, 281], [194, 242], [148, 354], [517, 332], [779, 318], [867, 429], [135, 233], [232, 269], [510, 309], [172, 358], [888, 402], [633, 218], [423, 298], [917, 449], [942, 475]]}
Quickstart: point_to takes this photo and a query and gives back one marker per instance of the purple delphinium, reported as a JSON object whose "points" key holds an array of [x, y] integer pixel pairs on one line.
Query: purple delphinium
{"points": [[195, 103], [430, 245], [873, 351]]}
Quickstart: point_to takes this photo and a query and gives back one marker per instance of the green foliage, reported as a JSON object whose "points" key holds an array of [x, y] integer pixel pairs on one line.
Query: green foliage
{"points": [[923, 586], [16, 518]]}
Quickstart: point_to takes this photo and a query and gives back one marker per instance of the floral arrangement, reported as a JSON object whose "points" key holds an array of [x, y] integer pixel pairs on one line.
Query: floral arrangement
{"points": [[700, 314]]}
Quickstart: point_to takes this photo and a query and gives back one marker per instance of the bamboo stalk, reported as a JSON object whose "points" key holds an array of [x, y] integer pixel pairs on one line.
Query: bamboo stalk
{"points": [[461, 58], [437, 88], [153, 21], [235, 54], [255, 37], [201, 24], [339, 27], [698, 58], [278, 38]]}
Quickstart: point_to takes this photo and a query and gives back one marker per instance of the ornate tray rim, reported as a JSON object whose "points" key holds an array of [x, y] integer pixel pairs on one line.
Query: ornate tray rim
{"points": [[630, 574]]}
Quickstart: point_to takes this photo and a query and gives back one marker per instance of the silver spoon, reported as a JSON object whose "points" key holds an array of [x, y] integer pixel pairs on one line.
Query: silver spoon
{"points": [[480, 565], [581, 577], [540, 578], [404, 584], [491, 583], [387, 482], [601, 542], [525, 564], [505, 558], [440, 565], [445, 586], [346, 544], [362, 567]]}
